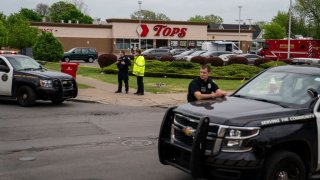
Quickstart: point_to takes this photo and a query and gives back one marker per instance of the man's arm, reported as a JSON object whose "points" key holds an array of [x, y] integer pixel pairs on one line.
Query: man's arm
{"points": [[218, 93], [201, 96]]}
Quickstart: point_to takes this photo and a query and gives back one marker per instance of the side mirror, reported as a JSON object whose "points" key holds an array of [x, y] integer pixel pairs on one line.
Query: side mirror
{"points": [[4, 69], [312, 93]]}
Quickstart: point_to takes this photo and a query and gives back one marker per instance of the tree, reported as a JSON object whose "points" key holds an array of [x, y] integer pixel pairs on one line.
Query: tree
{"points": [[30, 14], [66, 11], [274, 31], [80, 5], [3, 17], [47, 48], [3, 35], [311, 10], [206, 19], [162, 17], [298, 26], [42, 9], [149, 15], [20, 33]]}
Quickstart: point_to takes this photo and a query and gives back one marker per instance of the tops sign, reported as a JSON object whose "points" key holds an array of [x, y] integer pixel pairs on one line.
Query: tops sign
{"points": [[163, 30]]}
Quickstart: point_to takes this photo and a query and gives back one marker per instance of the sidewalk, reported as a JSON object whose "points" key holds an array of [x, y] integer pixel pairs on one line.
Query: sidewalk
{"points": [[104, 93]]}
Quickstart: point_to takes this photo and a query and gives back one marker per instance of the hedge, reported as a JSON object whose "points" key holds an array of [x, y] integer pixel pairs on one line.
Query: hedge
{"points": [[191, 70]]}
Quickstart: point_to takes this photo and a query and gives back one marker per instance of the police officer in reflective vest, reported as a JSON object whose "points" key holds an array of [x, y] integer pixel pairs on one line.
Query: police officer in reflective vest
{"points": [[122, 64], [138, 70]]}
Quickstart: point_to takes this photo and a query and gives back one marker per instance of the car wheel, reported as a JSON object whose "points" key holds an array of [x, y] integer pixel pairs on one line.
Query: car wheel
{"points": [[284, 165], [66, 59], [57, 101], [26, 96], [91, 60]]}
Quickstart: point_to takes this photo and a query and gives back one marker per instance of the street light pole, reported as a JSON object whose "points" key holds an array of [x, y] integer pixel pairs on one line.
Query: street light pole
{"points": [[289, 29], [140, 2], [239, 25]]}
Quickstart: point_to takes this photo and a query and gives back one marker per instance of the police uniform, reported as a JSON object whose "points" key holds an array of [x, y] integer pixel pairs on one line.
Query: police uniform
{"points": [[123, 73], [205, 87]]}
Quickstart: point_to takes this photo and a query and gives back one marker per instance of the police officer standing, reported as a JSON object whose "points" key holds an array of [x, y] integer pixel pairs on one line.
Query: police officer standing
{"points": [[122, 64]]}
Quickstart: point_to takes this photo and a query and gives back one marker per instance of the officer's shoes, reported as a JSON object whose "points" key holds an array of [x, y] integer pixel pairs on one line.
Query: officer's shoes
{"points": [[127, 92], [117, 92], [140, 94]]}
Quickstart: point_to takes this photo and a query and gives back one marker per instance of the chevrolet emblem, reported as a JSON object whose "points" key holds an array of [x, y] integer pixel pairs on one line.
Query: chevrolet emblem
{"points": [[188, 131]]}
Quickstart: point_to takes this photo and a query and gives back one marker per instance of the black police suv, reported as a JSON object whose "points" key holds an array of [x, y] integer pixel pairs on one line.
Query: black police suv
{"points": [[268, 129], [24, 79]]}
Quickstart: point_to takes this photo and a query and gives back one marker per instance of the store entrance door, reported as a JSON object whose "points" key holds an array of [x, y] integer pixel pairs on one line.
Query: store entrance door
{"points": [[161, 43]]}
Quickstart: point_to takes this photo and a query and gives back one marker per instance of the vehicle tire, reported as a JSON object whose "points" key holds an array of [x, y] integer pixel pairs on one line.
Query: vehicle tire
{"points": [[66, 59], [90, 60], [57, 101], [26, 96], [284, 165]]}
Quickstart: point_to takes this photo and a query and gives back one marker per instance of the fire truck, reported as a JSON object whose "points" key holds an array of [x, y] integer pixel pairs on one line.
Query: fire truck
{"points": [[277, 49]]}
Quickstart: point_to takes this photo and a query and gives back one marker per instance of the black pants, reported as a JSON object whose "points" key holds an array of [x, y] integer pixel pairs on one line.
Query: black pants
{"points": [[123, 76], [140, 84]]}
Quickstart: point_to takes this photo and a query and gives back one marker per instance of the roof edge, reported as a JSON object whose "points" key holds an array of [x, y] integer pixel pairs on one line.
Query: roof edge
{"points": [[155, 22]]}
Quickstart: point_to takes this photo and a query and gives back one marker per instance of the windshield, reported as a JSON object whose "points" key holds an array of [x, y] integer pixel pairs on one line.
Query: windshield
{"points": [[209, 53], [197, 53], [187, 52], [282, 87], [21, 63], [71, 50]]}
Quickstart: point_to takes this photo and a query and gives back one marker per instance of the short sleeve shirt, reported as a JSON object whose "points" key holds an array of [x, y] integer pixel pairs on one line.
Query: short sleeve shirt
{"points": [[205, 87]]}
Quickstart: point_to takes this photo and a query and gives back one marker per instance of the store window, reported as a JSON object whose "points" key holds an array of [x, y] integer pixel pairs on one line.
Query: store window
{"points": [[183, 43], [174, 44], [146, 43], [119, 43], [128, 43], [192, 44]]}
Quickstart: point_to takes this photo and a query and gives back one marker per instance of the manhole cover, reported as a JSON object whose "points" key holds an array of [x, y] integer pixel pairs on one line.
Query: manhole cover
{"points": [[27, 158], [133, 142]]}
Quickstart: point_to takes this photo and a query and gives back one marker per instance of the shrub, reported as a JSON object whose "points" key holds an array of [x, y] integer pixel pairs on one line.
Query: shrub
{"points": [[47, 48], [215, 61], [182, 65], [167, 58], [260, 61], [149, 57], [237, 60], [272, 64], [199, 59], [105, 60]]}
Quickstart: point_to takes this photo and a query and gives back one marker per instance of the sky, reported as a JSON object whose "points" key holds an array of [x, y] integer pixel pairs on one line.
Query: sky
{"points": [[180, 10]]}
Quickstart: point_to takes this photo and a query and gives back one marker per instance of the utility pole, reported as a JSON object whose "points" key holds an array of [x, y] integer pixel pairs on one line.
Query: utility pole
{"points": [[239, 25], [140, 2], [249, 23], [289, 29]]}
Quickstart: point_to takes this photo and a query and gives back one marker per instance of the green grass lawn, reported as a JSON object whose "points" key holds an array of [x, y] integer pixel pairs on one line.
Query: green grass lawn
{"points": [[152, 84]]}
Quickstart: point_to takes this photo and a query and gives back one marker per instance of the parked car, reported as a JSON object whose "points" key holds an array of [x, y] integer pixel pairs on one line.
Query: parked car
{"points": [[87, 54], [156, 52], [225, 57], [177, 51], [182, 55], [214, 53], [251, 58], [196, 53]]}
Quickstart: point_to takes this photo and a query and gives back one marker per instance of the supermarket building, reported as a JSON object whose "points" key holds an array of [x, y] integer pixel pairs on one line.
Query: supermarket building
{"points": [[121, 34]]}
